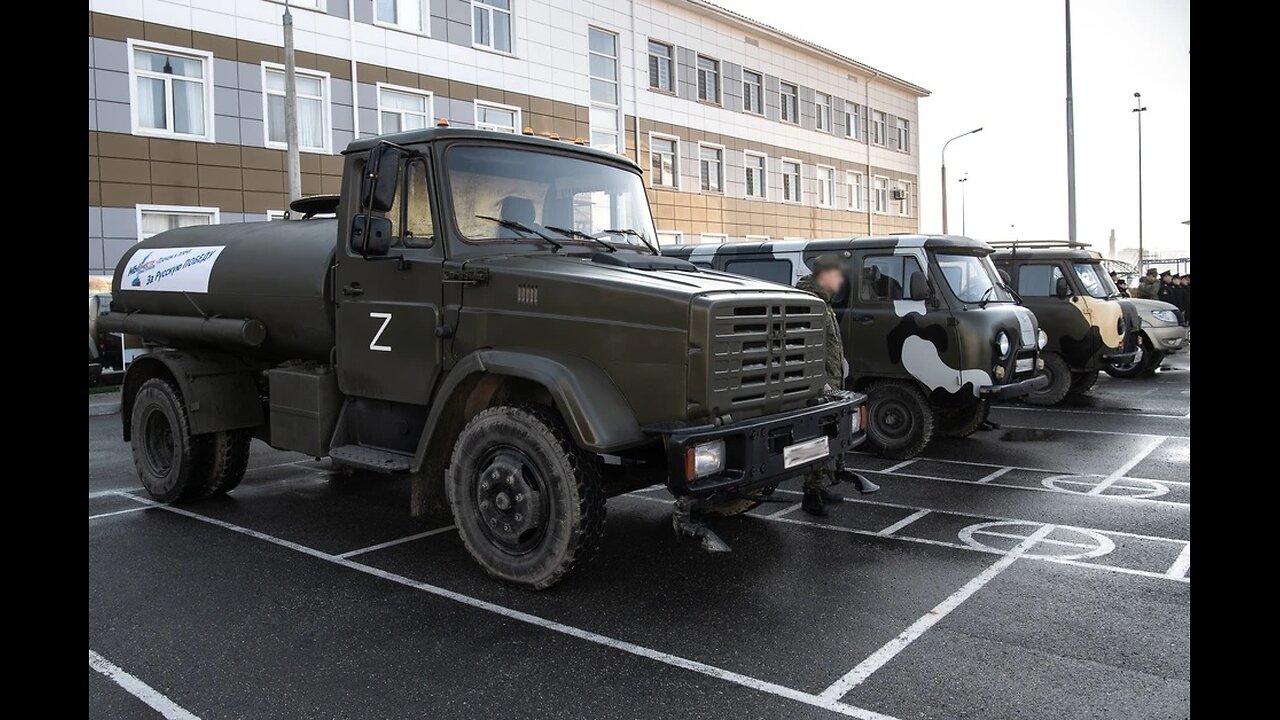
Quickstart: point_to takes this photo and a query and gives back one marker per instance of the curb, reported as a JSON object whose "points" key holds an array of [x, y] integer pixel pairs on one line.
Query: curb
{"points": [[104, 409]]}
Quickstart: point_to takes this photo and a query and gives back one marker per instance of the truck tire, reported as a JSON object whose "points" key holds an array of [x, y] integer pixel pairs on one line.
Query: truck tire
{"points": [[171, 462], [228, 459], [528, 503], [1082, 383], [1059, 381], [899, 419], [739, 505], [962, 421]]}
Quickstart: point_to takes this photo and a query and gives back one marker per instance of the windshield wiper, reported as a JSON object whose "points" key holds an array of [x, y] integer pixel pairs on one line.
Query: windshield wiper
{"points": [[982, 301], [516, 225], [633, 233], [570, 232], [1011, 292]]}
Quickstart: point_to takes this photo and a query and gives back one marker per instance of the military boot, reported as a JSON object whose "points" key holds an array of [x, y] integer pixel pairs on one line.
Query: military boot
{"points": [[812, 502]]}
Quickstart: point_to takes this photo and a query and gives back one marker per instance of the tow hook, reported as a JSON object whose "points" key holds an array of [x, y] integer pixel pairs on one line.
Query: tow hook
{"points": [[686, 525]]}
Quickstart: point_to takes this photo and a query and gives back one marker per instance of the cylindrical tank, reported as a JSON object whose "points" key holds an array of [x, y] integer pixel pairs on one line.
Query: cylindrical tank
{"points": [[274, 272]]}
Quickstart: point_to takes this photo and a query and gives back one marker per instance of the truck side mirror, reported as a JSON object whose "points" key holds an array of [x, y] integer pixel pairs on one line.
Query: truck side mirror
{"points": [[370, 235], [378, 188], [1063, 289], [919, 288]]}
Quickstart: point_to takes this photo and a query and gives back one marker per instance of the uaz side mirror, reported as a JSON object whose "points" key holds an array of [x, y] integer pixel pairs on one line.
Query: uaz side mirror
{"points": [[378, 188], [370, 235], [1063, 289], [919, 286]]}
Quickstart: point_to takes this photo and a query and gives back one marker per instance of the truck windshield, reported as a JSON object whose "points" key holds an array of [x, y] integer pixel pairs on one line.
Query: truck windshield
{"points": [[972, 278], [529, 188], [1095, 280]]}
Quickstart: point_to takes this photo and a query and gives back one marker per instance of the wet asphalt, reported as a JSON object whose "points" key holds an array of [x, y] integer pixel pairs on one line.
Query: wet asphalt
{"points": [[1039, 569]]}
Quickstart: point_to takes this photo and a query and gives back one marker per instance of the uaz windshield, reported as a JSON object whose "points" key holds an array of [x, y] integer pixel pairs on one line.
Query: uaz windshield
{"points": [[1096, 282], [972, 278], [540, 190]]}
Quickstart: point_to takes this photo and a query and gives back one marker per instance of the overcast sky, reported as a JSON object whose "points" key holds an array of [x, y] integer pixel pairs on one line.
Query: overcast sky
{"points": [[1000, 64]]}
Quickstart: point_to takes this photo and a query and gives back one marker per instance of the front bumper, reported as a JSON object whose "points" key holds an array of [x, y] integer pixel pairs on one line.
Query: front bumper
{"points": [[754, 448], [1119, 357], [1016, 389], [1166, 338]]}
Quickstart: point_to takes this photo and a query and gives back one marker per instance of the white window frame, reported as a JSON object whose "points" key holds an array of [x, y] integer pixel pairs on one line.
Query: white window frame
{"points": [[427, 94], [327, 109], [215, 215], [874, 191], [675, 175], [206, 59], [857, 190], [317, 5], [904, 205], [679, 236], [782, 102], [519, 118], [879, 128], [822, 112], [616, 106], [756, 238], [424, 10], [697, 73], [902, 135], [471, 19], [712, 238], [273, 215], [759, 94], [670, 60], [799, 184], [712, 146], [854, 121], [764, 175], [826, 179]]}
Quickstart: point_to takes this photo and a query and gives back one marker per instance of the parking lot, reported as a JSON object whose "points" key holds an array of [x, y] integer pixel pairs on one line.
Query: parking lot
{"points": [[1041, 569]]}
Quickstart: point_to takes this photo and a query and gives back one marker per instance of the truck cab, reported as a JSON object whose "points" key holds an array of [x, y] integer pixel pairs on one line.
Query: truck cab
{"points": [[1090, 326], [487, 316], [930, 333]]}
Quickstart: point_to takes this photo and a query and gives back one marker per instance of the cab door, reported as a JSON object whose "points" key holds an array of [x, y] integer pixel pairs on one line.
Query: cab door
{"points": [[1061, 316], [883, 324], [388, 308]]}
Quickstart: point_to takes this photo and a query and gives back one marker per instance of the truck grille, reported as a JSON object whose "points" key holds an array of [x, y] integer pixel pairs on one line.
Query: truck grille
{"points": [[764, 355]]}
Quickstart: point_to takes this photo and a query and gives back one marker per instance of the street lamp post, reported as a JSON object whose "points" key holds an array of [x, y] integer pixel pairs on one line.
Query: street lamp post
{"points": [[963, 213], [944, 174], [1139, 110]]}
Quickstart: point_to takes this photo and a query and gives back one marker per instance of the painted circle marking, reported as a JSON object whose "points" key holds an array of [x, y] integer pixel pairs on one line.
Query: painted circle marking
{"points": [[1125, 487], [1063, 543]]}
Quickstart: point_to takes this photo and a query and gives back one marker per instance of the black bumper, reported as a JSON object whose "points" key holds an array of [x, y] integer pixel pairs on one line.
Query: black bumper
{"points": [[1119, 358], [753, 448], [1015, 389]]}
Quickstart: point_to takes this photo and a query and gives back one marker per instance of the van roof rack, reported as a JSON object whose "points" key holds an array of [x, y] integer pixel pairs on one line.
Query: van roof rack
{"points": [[1030, 244]]}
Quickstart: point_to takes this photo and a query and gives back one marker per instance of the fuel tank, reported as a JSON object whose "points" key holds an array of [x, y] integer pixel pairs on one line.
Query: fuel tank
{"points": [[275, 273]]}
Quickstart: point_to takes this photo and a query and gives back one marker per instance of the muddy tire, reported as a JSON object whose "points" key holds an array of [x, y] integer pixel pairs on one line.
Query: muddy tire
{"points": [[738, 506], [528, 503], [1059, 381], [961, 422], [228, 459], [172, 463], [1082, 383], [900, 421]]}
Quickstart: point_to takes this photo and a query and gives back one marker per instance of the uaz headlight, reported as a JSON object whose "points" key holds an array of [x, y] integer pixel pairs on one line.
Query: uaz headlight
{"points": [[1002, 344], [1168, 316], [1042, 339]]}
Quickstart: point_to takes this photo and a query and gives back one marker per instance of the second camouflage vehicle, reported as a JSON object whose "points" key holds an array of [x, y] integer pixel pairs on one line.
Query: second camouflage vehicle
{"points": [[930, 334]]}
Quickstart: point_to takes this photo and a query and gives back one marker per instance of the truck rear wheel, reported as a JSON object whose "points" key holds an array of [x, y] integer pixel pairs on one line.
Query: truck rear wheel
{"points": [[228, 459], [1082, 383], [1059, 381], [899, 419], [170, 460], [528, 503], [962, 421]]}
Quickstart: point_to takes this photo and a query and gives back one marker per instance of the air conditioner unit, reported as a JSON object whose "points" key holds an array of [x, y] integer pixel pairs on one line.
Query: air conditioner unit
{"points": [[899, 194]]}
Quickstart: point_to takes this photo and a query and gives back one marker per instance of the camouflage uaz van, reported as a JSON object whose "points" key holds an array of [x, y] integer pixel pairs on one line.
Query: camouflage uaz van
{"points": [[930, 333]]}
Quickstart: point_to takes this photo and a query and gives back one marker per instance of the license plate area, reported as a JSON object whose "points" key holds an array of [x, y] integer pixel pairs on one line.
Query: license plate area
{"points": [[804, 452], [1024, 365]]}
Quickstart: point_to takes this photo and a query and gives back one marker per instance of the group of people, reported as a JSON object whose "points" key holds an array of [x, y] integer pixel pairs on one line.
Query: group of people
{"points": [[1165, 286]]}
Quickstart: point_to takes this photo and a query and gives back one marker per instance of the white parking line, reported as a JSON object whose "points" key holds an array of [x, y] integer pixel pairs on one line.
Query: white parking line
{"points": [[1093, 432], [899, 466], [135, 687], [970, 463], [535, 620], [398, 541], [1131, 464], [116, 512], [1182, 565], [784, 511], [993, 475], [1091, 412], [1032, 488], [889, 650], [903, 523]]}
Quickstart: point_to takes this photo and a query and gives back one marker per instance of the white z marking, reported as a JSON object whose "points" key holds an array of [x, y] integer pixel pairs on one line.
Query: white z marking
{"points": [[386, 320]]}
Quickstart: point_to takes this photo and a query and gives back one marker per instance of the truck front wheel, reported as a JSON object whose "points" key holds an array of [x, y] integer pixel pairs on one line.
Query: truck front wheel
{"points": [[528, 503]]}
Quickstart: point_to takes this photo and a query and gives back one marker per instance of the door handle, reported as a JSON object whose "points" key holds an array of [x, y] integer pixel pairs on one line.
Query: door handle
{"points": [[352, 289], [864, 318]]}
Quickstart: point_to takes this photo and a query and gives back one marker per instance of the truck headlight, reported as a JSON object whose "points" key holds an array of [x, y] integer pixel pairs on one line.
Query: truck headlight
{"points": [[1042, 339], [704, 459], [1002, 344], [1168, 316]]}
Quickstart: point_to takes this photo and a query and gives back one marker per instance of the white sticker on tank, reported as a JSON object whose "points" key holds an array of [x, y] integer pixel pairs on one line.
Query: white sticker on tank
{"points": [[179, 269]]}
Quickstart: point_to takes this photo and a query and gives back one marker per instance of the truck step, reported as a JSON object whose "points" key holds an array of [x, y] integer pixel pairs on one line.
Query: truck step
{"points": [[372, 459]]}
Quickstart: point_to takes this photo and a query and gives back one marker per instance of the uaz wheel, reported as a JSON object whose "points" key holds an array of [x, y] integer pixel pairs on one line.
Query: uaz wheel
{"points": [[962, 421], [528, 503], [1059, 381], [1082, 383], [899, 419]]}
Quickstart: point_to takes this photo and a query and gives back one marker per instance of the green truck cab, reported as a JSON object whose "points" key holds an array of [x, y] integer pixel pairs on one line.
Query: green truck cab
{"points": [[1090, 326], [488, 317], [930, 333]]}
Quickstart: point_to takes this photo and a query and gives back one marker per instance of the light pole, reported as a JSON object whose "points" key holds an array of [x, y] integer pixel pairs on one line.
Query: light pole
{"points": [[963, 213], [1139, 110], [944, 174], [1071, 143]]}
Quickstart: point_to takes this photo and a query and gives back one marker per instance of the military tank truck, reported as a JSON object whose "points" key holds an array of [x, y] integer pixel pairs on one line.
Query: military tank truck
{"points": [[488, 317], [1090, 326], [930, 333]]}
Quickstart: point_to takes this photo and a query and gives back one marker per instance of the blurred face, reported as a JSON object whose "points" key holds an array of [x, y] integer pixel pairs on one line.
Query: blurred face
{"points": [[830, 280]]}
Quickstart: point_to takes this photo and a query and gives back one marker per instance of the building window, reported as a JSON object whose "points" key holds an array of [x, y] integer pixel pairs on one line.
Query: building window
{"points": [[277, 215], [790, 181], [492, 116], [603, 61], [880, 188], [403, 14], [670, 237], [171, 91], [757, 185], [790, 103], [661, 66], [752, 92], [712, 238], [879, 132], [313, 108], [823, 104], [855, 120], [853, 182], [826, 186], [904, 135], [155, 219], [760, 238], [491, 24], [904, 198], [711, 168], [664, 161], [708, 79], [401, 109]]}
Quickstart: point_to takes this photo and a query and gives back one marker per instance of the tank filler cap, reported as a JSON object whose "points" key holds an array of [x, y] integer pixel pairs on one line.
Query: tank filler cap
{"points": [[442, 122]]}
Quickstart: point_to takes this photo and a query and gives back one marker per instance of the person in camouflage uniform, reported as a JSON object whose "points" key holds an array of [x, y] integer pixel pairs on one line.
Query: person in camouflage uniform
{"points": [[826, 281]]}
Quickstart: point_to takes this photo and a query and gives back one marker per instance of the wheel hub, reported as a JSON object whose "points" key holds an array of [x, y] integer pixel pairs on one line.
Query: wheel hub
{"points": [[159, 445], [894, 420], [510, 501]]}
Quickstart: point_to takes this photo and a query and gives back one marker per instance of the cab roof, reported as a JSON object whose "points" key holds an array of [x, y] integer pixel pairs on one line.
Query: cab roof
{"points": [[435, 134], [932, 242], [1049, 253]]}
